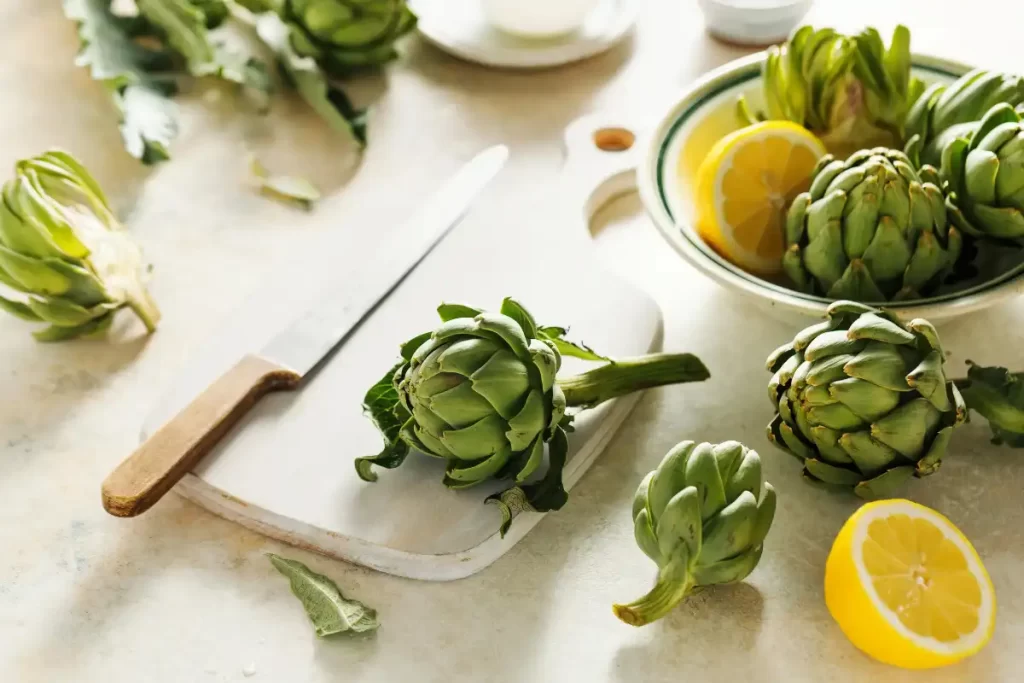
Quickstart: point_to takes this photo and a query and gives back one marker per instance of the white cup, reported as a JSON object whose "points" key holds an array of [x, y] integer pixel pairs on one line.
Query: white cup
{"points": [[538, 18]]}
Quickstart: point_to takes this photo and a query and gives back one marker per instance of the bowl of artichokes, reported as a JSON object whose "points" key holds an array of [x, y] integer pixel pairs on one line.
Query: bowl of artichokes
{"points": [[918, 205]]}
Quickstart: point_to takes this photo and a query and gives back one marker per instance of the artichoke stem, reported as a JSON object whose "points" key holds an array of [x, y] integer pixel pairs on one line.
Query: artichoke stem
{"points": [[623, 377], [145, 307], [668, 592]]}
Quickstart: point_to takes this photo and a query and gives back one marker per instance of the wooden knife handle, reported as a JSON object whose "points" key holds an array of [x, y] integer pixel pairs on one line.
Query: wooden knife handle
{"points": [[158, 464]]}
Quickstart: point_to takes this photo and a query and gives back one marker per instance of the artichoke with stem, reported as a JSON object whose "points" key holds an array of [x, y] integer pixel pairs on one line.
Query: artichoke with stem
{"points": [[863, 400], [702, 516], [944, 113], [63, 251], [869, 229], [481, 392]]}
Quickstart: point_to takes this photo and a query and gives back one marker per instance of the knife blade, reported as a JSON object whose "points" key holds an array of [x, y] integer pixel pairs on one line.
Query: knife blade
{"points": [[174, 449], [303, 344]]}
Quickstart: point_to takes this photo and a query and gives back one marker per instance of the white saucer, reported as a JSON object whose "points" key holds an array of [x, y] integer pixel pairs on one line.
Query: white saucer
{"points": [[459, 27]]}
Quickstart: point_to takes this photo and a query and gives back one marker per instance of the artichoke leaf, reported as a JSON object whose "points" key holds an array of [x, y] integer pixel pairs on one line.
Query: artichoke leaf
{"points": [[450, 311], [57, 333], [884, 485], [523, 317], [19, 309], [997, 395], [385, 409], [542, 496]]}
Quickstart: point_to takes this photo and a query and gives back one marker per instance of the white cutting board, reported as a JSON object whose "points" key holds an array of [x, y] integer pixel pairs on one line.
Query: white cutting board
{"points": [[287, 469]]}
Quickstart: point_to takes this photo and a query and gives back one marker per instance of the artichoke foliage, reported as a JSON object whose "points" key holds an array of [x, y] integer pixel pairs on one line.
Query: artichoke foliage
{"points": [[347, 35], [851, 91], [482, 395], [944, 113], [702, 516], [62, 249], [997, 395], [869, 229], [983, 177], [863, 400]]}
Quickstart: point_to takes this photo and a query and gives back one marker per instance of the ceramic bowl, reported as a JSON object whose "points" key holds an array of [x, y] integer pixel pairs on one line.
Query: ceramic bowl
{"points": [[704, 114]]}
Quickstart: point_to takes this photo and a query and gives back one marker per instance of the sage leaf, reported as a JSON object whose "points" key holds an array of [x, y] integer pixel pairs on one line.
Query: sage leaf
{"points": [[138, 78], [149, 123], [329, 610], [206, 53]]}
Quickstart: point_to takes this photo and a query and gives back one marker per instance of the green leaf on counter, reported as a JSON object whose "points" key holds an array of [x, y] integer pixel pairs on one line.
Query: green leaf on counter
{"points": [[389, 415], [184, 25], [138, 77], [287, 188], [326, 99], [149, 122], [329, 610], [997, 395]]}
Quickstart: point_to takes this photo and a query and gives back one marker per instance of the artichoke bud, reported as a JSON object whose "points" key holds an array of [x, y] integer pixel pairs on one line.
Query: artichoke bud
{"points": [[874, 401], [859, 237], [702, 517], [345, 35], [63, 251]]}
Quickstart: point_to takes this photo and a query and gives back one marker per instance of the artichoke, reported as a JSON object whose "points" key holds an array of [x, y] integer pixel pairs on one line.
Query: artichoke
{"points": [[983, 177], [944, 113], [997, 395], [702, 518], [346, 35], [62, 249], [480, 392], [863, 400], [870, 230], [852, 92]]}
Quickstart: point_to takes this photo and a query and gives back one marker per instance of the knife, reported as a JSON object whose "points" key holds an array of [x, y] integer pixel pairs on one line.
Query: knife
{"points": [[173, 450]]}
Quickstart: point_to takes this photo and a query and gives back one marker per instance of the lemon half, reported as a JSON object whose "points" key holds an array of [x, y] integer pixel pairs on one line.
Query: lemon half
{"points": [[907, 587], [744, 187]]}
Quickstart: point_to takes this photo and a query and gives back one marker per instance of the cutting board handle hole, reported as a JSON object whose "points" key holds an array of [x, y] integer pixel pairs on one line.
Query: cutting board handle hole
{"points": [[614, 139]]}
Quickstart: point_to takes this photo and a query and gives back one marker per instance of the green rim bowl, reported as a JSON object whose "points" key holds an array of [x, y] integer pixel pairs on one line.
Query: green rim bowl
{"points": [[706, 112]]}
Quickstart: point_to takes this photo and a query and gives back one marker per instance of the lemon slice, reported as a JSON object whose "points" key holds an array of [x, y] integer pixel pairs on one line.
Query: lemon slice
{"points": [[907, 587], [745, 185]]}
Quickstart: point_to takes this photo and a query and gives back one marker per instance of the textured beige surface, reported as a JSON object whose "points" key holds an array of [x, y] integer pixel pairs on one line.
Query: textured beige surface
{"points": [[179, 595]]}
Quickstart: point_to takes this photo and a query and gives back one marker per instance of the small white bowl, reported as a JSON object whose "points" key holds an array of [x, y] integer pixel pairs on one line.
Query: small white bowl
{"points": [[705, 113], [758, 22]]}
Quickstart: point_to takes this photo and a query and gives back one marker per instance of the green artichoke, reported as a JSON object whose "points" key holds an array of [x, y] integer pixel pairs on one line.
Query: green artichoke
{"points": [[215, 12], [863, 400], [997, 395], [481, 393], [869, 230], [983, 177], [346, 35], [702, 518], [62, 248], [944, 113], [852, 92]]}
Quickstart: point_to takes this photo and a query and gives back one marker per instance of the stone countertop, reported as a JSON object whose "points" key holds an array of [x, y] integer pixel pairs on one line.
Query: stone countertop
{"points": [[181, 595]]}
